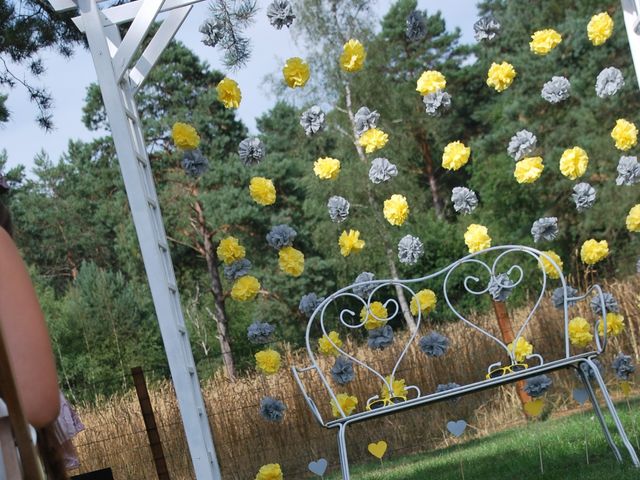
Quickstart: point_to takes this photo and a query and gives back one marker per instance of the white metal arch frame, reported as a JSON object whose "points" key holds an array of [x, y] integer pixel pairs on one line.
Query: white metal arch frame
{"points": [[121, 71]]}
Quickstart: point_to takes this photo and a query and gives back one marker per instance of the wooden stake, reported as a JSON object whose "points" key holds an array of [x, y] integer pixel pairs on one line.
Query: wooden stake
{"points": [[506, 330], [461, 469], [540, 451], [150, 424]]}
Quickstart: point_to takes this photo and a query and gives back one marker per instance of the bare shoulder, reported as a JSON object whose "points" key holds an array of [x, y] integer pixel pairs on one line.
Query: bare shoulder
{"points": [[9, 256]]}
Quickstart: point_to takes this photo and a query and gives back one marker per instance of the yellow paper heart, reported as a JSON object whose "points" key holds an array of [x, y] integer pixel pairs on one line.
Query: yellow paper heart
{"points": [[534, 407], [378, 449], [626, 388]]}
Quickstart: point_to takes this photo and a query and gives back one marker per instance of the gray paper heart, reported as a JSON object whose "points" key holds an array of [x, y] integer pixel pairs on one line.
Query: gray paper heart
{"points": [[318, 467], [457, 428], [580, 395]]}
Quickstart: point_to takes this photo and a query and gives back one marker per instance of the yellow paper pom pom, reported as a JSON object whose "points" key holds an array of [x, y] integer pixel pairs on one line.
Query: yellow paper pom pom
{"points": [[326, 168], [245, 288], [291, 261], [548, 267], [350, 242], [375, 317], [543, 41], [396, 209], [326, 347], [615, 325], [477, 238], [431, 81], [593, 251], [229, 93], [574, 163], [229, 250], [455, 155], [500, 76], [398, 388], [600, 28], [347, 403], [522, 349], [262, 191], [580, 332], [271, 471], [185, 136], [633, 219], [268, 361], [625, 134], [427, 299], [373, 139], [296, 72], [353, 55], [528, 170]]}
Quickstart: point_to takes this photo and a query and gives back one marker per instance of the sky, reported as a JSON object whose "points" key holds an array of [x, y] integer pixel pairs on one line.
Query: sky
{"points": [[68, 79]]}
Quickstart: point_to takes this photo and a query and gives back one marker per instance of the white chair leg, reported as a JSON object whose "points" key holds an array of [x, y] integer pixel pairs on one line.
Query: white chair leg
{"points": [[614, 414], [342, 450]]}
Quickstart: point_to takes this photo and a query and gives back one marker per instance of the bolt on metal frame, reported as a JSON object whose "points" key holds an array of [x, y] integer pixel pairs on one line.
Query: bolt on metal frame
{"points": [[121, 70]]}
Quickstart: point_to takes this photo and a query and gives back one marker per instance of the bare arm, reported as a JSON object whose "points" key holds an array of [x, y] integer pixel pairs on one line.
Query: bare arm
{"points": [[26, 337]]}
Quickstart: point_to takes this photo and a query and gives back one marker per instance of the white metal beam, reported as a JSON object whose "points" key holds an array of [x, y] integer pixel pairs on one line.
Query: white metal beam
{"points": [[156, 46], [126, 12], [631, 12]]}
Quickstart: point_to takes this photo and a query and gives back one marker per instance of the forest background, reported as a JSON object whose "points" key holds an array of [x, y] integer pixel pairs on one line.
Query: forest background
{"points": [[74, 226]]}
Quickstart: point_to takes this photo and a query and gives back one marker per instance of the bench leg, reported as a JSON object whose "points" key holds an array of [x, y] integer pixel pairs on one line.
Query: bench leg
{"points": [[598, 411], [342, 450], [614, 414]]}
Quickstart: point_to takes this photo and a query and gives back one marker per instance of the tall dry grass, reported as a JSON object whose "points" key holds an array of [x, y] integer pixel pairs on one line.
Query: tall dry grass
{"points": [[115, 435]]}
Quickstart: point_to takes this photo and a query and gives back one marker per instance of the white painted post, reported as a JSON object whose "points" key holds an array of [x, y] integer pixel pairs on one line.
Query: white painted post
{"points": [[631, 12], [113, 57]]}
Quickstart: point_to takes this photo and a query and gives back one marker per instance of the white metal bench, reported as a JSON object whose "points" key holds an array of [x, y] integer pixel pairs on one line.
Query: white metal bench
{"points": [[489, 264]]}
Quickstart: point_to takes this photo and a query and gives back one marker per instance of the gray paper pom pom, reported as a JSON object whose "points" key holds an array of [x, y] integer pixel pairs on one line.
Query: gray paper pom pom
{"points": [[610, 304], [280, 14], [628, 171], [194, 163], [260, 332], [237, 269], [312, 120], [537, 386], [437, 103], [443, 387], [251, 151], [281, 236], [212, 32], [272, 409], [342, 370], [557, 297], [410, 249], [416, 28], [586, 368], [486, 28], [522, 144], [623, 366], [556, 90], [464, 200], [338, 208], [434, 344], [609, 82], [500, 287], [380, 338], [382, 170], [365, 119], [584, 196], [545, 228], [363, 291], [309, 303]]}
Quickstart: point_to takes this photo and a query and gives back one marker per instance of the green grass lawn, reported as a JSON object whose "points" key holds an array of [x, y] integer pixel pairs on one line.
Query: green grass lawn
{"points": [[515, 453]]}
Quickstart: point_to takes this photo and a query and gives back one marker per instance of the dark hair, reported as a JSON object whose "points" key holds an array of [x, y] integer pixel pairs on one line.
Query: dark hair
{"points": [[5, 219]]}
